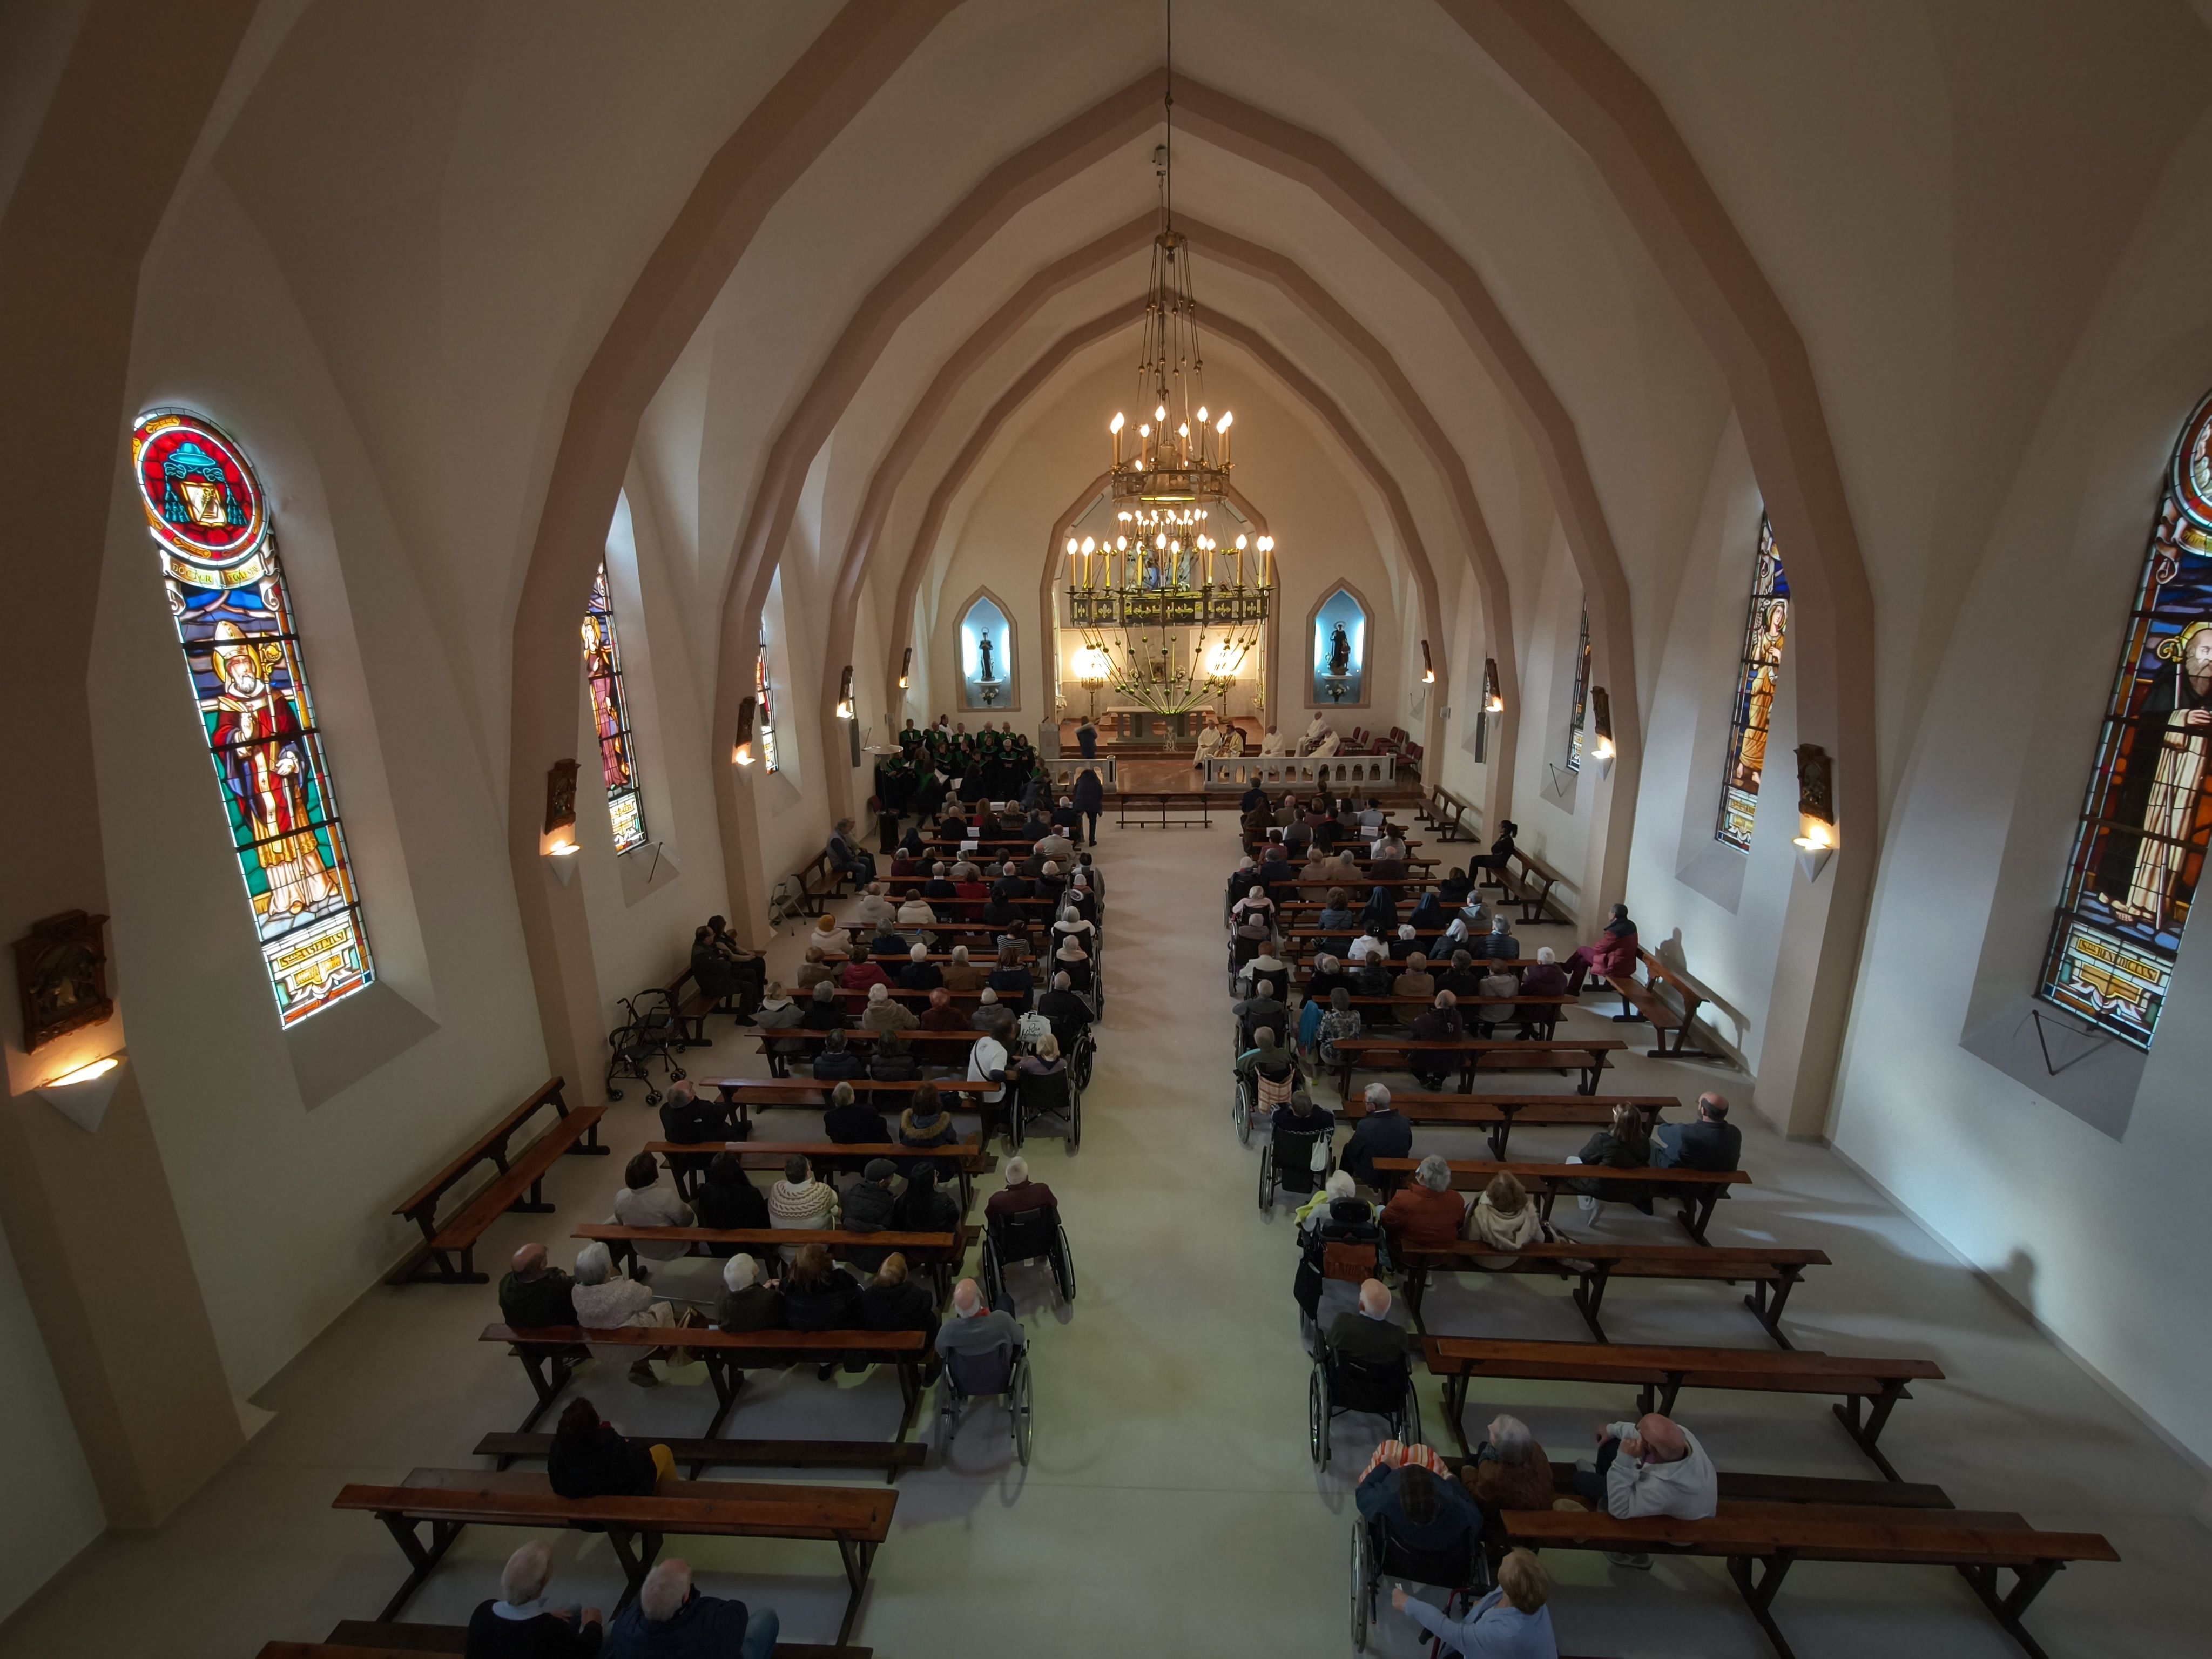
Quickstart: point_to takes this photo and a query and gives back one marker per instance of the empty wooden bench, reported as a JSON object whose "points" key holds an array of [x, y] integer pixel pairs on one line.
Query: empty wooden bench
{"points": [[1700, 1190], [1761, 1541], [1869, 1386], [365, 1639], [1583, 1054], [1772, 1269], [516, 1187], [551, 1353], [1527, 881], [1500, 1112], [856, 1518], [1643, 1002], [1158, 810]]}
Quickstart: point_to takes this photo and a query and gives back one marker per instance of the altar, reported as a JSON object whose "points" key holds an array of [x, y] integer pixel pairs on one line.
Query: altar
{"points": [[1143, 728]]}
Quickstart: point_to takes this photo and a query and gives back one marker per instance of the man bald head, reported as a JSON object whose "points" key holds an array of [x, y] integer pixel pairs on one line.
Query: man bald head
{"points": [[1660, 1439], [1375, 1298], [529, 1263]]}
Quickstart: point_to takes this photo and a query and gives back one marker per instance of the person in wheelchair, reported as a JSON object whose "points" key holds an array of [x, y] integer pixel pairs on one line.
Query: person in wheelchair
{"points": [[1069, 1013], [1020, 1194], [1406, 1492], [1337, 1206], [1512, 1622], [1367, 1333], [1262, 1007], [975, 1327]]}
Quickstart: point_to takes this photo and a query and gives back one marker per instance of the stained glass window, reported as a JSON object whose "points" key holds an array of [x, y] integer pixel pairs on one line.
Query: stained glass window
{"points": [[1765, 628], [232, 610], [2141, 845], [1581, 696], [610, 717], [767, 704]]}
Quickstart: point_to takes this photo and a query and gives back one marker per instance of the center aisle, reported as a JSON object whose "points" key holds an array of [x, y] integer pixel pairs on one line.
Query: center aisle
{"points": [[1170, 1507]]}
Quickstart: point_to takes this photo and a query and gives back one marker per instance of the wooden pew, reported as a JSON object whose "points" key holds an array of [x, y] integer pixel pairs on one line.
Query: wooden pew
{"points": [[1174, 806], [1643, 1002], [549, 1355], [1870, 1387], [746, 1092], [818, 881], [1412, 1009], [365, 1639], [931, 1048], [963, 1161], [1500, 1112], [1748, 1487], [856, 1518], [1761, 1541], [938, 1252], [1700, 1190], [1562, 1055], [1772, 1269], [894, 1457], [1527, 881], [518, 1185]]}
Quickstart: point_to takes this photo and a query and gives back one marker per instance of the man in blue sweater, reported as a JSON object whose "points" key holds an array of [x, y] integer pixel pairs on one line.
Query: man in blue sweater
{"points": [[669, 1620]]}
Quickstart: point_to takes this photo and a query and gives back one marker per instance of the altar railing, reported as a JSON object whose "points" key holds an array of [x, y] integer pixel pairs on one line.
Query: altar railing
{"points": [[1065, 768], [1347, 773]]}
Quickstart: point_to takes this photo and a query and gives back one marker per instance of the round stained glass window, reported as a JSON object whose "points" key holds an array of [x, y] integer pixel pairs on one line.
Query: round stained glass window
{"points": [[203, 501]]}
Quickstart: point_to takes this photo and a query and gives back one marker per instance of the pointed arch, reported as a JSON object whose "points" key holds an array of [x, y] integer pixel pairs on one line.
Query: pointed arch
{"points": [[974, 652], [1356, 616]]}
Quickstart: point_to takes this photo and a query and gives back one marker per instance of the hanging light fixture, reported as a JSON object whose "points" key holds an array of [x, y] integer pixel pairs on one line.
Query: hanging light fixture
{"points": [[1165, 605]]}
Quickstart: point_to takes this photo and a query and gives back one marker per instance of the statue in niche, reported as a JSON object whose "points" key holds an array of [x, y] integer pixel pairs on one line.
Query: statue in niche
{"points": [[983, 655], [1340, 652]]}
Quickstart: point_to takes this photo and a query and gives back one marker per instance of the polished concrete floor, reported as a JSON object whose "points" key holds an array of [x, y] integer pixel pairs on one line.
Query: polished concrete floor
{"points": [[1171, 1508]]}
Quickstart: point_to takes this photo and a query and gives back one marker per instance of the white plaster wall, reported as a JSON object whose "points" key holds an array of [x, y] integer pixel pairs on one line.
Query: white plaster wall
{"points": [[1551, 805], [53, 1509]]}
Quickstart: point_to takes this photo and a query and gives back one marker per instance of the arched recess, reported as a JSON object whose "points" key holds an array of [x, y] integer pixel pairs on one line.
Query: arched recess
{"points": [[1302, 389], [1312, 654], [1318, 305], [1003, 656]]}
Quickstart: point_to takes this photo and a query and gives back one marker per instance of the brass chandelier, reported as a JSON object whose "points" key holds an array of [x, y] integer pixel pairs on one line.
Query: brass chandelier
{"points": [[1167, 615]]}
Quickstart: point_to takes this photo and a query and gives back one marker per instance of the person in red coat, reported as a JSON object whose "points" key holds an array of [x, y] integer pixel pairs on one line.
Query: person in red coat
{"points": [[1612, 955], [858, 975], [1425, 1213]]}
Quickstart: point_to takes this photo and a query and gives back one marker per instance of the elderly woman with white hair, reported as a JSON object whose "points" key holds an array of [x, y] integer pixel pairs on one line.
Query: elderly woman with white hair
{"points": [[606, 1300], [883, 1014], [522, 1621], [1338, 1201], [1425, 1213], [747, 1304], [1510, 1470]]}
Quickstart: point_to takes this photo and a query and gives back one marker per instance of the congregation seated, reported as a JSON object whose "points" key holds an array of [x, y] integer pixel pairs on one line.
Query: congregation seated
{"points": [[726, 1198], [1054, 843], [1383, 1133], [848, 856], [915, 911], [521, 1625], [862, 974], [1261, 1008], [1429, 915], [894, 1301], [1366, 1332], [1415, 988], [1511, 1622], [851, 1121], [813, 972], [924, 1125], [1612, 954], [1424, 1213], [1020, 1194], [838, 1061], [671, 1619], [1711, 1143], [1547, 978], [977, 1327], [1010, 980], [1269, 1061], [1509, 1470], [645, 1202], [1336, 916], [993, 1017], [832, 940], [875, 910], [921, 1208], [1504, 1217], [1407, 1489], [884, 1013], [942, 1015], [1498, 944], [533, 1295], [1440, 1022], [799, 1202], [1653, 1466], [1050, 884], [1069, 1013], [818, 1294], [894, 1060], [1341, 1020], [1624, 1145], [778, 1013], [920, 974], [1337, 1204], [868, 1203], [1489, 1016], [962, 975], [1072, 960], [589, 1458], [606, 1300]]}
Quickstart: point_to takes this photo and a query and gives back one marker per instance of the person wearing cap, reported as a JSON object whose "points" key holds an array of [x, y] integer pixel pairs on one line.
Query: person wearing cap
{"points": [[868, 1205]]}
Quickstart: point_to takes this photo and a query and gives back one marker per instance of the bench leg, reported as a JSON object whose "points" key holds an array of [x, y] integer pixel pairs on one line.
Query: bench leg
{"points": [[859, 1555], [1697, 1214], [420, 1557], [589, 1146], [909, 1376], [1759, 1591], [1417, 1285], [727, 1380], [1589, 1295], [2007, 1609], [533, 1202], [635, 1563], [1456, 1411], [1765, 1300], [549, 1375], [1867, 1433]]}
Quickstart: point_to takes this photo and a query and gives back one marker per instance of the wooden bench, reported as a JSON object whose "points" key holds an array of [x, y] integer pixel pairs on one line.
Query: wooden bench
{"points": [[517, 1186], [1562, 1055], [1500, 1112], [549, 1355], [1406, 1010], [1527, 881], [1772, 1269], [939, 1253], [1642, 1002], [963, 1161], [856, 1518], [1747, 1486], [1444, 813], [1173, 806], [894, 1457], [1775, 1536], [1870, 1387], [817, 882], [1700, 1190], [936, 1047], [746, 1092], [364, 1638]]}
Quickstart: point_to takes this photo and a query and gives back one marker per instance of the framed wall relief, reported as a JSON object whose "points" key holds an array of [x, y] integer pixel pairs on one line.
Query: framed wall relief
{"points": [[61, 971], [1816, 783], [560, 795]]}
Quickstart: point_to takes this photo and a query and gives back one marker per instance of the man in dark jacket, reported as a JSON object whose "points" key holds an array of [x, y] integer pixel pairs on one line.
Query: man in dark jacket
{"points": [[1381, 1132], [1069, 1014], [1711, 1143], [669, 1620], [1089, 798], [1498, 944], [1440, 1023], [850, 1121], [520, 1626], [837, 1062], [868, 1203], [535, 1295], [1261, 1008], [1367, 1333]]}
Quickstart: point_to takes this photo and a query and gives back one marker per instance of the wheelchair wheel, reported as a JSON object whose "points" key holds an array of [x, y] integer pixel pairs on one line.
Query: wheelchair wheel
{"points": [[1063, 1269], [675, 1074], [991, 1280], [1243, 1114], [1412, 1436], [1075, 1118], [1266, 1177], [1362, 1588], [653, 1096], [1018, 1402], [612, 1094], [1014, 1121], [1317, 1413]]}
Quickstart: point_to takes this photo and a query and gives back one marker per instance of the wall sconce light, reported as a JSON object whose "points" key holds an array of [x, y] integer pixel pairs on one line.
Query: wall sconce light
{"points": [[1815, 840], [741, 750], [1492, 702], [906, 669], [82, 1094], [1602, 748], [1428, 668], [845, 694], [558, 839]]}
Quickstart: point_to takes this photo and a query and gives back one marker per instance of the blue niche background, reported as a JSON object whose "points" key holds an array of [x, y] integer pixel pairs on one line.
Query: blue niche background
{"points": [[987, 657], [1339, 609]]}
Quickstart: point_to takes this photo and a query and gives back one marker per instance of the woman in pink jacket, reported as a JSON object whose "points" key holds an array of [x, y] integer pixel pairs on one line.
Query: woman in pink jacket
{"points": [[1612, 955]]}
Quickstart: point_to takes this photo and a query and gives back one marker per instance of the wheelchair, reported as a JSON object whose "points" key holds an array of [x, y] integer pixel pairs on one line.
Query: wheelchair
{"points": [[1286, 1161], [1027, 1235], [1245, 1100], [1377, 1555], [652, 1032], [1340, 1383], [968, 1377], [1055, 1094], [1081, 1049]]}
